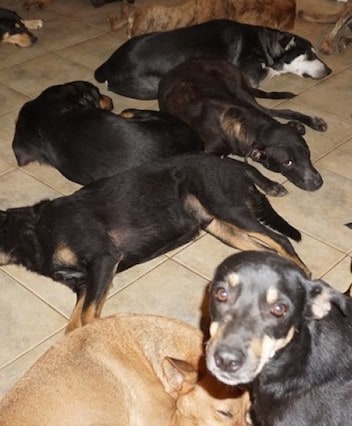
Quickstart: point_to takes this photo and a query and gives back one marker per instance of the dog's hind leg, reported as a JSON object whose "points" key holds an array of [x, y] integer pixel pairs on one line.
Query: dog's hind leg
{"points": [[259, 239], [75, 318], [100, 275], [315, 123]]}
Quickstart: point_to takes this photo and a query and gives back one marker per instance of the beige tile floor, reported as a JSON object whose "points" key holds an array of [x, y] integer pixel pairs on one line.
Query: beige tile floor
{"points": [[75, 39]]}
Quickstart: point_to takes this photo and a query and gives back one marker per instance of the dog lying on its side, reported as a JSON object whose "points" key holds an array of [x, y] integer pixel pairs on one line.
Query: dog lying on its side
{"points": [[83, 239], [15, 30], [136, 68], [69, 127], [214, 98], [288, 338], [41, 4], [279, 14], [124, 370]]}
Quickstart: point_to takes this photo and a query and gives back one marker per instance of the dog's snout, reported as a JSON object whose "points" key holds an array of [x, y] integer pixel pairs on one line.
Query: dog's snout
{"points": [[227, 359]]}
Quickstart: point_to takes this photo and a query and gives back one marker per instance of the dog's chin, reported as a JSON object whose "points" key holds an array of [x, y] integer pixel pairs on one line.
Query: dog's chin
{"points": [[242, 377]]}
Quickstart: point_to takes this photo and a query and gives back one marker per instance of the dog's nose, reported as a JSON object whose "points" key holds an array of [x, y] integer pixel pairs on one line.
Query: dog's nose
{"points": [[228, 360], [34, 39]]}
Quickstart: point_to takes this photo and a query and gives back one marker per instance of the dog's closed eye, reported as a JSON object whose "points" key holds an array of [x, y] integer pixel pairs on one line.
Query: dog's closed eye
{"points": [[227, 414]]}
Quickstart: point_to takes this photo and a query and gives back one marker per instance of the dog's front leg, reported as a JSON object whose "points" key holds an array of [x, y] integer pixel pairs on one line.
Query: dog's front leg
{"points": [[99, 280]]}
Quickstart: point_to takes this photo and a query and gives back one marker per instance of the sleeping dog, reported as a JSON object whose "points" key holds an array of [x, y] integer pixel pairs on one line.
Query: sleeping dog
{"points": [[15, 30], [136, 67], [91, 376], [215, 99], [83, 239], [70, 127], [287, 337]]}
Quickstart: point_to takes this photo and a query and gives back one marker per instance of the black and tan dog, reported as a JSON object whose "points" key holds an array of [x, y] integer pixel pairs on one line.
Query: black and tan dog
{"points": [[70, 127], [136, 67], [93, 376], [215, 99], [287, 337], [83, 239], [15, 30]]}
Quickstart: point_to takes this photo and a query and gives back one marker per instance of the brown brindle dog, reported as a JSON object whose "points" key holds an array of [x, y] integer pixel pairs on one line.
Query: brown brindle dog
{"points": [[125, 370], [268, 13]]}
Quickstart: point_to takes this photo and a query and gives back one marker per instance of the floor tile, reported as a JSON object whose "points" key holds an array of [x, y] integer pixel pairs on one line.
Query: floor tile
{"points": [[28, 320]]}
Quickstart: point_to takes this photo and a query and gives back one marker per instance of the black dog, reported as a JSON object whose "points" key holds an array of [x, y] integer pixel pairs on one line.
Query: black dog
{"points": [[289, 338], [15, 30], [69, 127], [112, 224], [135, 68], [215, 99]]}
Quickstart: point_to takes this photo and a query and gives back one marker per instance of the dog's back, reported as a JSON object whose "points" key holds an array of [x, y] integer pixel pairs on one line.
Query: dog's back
{"points": [[119, 371]]}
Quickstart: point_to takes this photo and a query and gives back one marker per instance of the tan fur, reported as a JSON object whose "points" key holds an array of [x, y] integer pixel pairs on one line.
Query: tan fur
{"points": [[271, 13], [40, 4], [340, 18], [139, 370], [21, 40]]}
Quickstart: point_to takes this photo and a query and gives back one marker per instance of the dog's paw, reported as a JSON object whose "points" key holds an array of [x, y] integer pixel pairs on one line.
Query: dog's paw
{"points": [[319, 124], [299, 127], [33, 24], [277, 190]]}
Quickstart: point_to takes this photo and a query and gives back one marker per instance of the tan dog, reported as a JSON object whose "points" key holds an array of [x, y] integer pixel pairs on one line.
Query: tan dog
{"points": [[125, 370], [341, 19], [270, 13]]}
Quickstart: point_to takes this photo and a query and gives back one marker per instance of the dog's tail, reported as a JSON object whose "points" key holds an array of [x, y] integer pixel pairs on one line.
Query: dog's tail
{"points": [[267, 215], [322, 18]]}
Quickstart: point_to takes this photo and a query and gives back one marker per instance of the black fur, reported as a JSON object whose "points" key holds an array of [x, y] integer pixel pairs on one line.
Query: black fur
{"points": [[306, 379], [215, 99], [136, 67], [117, 222], [67, 127]]}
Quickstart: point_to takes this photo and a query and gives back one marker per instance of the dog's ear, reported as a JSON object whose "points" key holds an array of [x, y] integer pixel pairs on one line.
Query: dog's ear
{"points": [[258, 154], [321, 297], [287, 42], [179, 375]]}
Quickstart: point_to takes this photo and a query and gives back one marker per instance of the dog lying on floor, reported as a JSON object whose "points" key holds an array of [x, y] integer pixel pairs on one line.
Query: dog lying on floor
{"points": [[84, 239], [15, 30], [279, 14], [70, 127], [124, 370], [136, 68], [341, 19], [214, 98], [288, 338], [41, 4]]}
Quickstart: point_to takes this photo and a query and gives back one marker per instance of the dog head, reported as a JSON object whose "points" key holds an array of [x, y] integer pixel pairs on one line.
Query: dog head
{"points": [[292, 54], [202, 400], [282, 149], [13, 30], [259, 303]]}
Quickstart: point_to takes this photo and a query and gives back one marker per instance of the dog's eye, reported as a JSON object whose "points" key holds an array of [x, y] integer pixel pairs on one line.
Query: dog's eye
{"points": [[278, 310], [221, 294], [287, 163], [226, 414]]}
